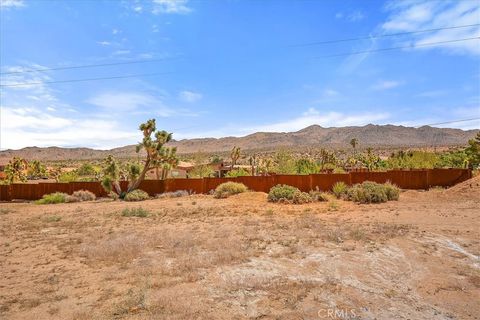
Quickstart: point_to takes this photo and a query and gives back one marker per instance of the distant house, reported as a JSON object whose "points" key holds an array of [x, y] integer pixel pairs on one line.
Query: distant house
{"points": [[184, 169]]}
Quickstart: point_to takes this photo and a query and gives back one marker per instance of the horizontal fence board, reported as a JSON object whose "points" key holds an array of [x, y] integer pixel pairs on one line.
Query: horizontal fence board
{"points": [[405, 179]]}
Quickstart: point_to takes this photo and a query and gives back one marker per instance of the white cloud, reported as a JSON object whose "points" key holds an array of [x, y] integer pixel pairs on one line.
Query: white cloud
{"points": [[327, 119], [171, 6], [11, 3], [115, 31], [104, 43], [121, 52], [330, 93], [386, 84], [30, 127], [190, 96], [138, 9], [130, 101], [415, 15]]}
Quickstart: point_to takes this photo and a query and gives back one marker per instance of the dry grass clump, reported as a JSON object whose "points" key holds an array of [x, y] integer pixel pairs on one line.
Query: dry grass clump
{"points": [[136, 195], [84, 195], [52, 198], [174, 194], [135, 212], [117, 249], [340, 189], [230, 188]]}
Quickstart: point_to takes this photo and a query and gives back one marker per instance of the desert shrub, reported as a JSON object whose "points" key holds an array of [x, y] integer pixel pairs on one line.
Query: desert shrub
{"points": [[318, 195], [174, 194], [135, 212], [70, 198], [368, 192], [288, 194], [392, 191], [340, 189], [136, 195], [57, 197], [230, 188], [240, 172], [281, 192], [301, 197], [84, 195]]}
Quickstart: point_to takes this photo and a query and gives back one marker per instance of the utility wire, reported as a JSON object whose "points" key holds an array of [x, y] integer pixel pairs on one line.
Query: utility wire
{"points": [[395, 48], [447, 122], [88, 79], [296, 45], [88, 66], [380, 36]]}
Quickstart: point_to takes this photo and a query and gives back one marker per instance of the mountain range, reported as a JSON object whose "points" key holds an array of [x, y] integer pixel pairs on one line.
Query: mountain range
{"points": [[377, 136]]}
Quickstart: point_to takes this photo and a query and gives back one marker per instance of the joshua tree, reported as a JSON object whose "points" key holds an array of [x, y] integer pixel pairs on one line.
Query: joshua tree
{"points": [[473, 152], [111, 175], [266, 166], [15, 170], [354, 143], [36, 169], [253, 164], [157, 153], [234, 155]]}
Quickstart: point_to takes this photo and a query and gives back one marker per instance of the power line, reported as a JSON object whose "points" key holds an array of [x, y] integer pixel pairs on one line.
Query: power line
{"points": [[396, 48], [88, 79], [88, 66], [447, 122], [380, 36]]}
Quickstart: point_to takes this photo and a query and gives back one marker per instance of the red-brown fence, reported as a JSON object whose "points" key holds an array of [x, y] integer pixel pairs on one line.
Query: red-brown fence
{"points": [[405, 179]]}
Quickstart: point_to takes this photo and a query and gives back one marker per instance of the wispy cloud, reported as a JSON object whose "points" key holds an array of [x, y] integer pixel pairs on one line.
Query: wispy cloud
{"points": [[138, 102], [412, 15], [353, 16], [6, 4], [171, 6], [386, 84], [190, 96], [104, 43]]}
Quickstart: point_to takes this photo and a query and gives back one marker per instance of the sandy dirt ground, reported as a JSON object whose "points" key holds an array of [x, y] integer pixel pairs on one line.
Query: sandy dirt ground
{"points": [[197, 257]]}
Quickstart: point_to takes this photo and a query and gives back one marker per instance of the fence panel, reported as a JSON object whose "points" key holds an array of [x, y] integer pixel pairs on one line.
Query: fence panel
{"points": [[302, 182], [447, 177], [261, 183], [325, 182], [192, 185], [405, 179], [409, 179], [5, 193]]}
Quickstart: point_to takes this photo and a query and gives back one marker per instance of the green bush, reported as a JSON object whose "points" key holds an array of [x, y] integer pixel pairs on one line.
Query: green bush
{"points": [[57, 197], [281, 192], [136, 195], [84, 195], [135, 212], [230, 188], [392, 191], [368, 192], [340, 189]]}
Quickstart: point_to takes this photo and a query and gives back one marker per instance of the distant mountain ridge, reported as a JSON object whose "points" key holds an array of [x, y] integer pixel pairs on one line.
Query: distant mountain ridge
{"points": [[315, 135]]}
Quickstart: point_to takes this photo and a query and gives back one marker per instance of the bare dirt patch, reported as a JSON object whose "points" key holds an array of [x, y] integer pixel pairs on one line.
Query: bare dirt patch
{"points": [[197, 257]]}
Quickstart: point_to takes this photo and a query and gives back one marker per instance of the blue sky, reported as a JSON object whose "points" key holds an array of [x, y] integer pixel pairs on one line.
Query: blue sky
{"points": [[230, 68]]}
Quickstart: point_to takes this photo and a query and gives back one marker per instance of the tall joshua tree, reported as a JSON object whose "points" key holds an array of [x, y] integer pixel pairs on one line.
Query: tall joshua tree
{"points": [[157, 153], [234, 155], [354, 143]]}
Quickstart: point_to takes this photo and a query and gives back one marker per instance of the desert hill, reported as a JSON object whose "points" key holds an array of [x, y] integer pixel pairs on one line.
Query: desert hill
{"points": [[380, 136]]}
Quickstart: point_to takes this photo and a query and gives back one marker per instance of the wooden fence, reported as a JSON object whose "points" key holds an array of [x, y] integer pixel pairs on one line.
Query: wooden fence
{"points": [[405, 179]]}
